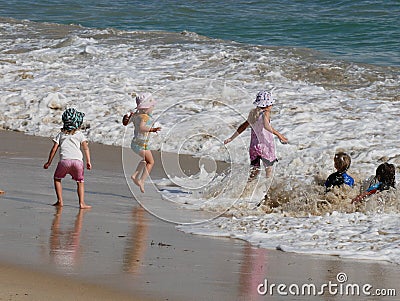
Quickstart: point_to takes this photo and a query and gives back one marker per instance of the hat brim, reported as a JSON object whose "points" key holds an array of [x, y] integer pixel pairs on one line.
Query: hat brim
{"points": [[146, 105], [263, 105]]}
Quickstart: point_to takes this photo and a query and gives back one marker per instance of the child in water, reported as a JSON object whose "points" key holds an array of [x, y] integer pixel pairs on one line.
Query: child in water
{"points": [[342, 163], [262, 147], [384, 179], [69, 140], [142, 122]]}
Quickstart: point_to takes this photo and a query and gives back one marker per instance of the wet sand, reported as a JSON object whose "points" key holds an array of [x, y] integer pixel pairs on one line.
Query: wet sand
{"points": [[118, 251], [20, 283]]}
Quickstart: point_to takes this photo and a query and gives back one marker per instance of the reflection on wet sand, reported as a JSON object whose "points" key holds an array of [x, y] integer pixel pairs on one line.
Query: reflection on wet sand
{"points": [[136, 243], [64, 245], [253, 271]]}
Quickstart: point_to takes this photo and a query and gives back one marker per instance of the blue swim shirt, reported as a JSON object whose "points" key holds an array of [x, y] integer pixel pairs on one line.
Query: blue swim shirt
{"points": [[338, 178]]}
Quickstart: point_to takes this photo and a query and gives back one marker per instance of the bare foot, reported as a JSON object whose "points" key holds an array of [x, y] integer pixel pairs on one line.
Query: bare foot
{"points": [[58, 204], [84, 206], [141, 186], [134, 177], [138, 183], [2, 191]]}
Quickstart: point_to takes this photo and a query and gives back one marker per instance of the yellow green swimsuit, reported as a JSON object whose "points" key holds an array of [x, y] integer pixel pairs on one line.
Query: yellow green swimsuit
{"points": [[140, 140]]}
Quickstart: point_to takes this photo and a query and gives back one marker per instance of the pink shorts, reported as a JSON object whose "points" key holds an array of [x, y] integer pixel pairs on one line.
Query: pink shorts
{"points": [[72, 167]]}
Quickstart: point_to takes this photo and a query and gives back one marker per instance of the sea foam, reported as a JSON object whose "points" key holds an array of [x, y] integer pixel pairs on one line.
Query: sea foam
{"points": [[205, 89]]}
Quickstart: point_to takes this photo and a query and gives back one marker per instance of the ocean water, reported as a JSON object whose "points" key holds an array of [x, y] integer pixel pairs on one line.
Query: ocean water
{"points": [[359, 31], [334, 67]]}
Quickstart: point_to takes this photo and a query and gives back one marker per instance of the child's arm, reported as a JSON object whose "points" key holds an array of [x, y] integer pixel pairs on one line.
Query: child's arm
{"points": [[371, 190], [269, 128], [52, 153], [86, 151], [361, 196], [127, 118], [240, 130]]}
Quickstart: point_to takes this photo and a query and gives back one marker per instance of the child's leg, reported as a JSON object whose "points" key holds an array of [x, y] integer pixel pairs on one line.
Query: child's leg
{"points": [[255, 169], [254, 172], [137, 175], [149, 165], [81, 195], [140, 168], [146, 165], [268, 171], [58, 188]]}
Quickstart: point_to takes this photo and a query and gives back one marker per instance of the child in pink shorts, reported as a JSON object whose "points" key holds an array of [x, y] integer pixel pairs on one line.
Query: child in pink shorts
{"points": [[69, 141]]}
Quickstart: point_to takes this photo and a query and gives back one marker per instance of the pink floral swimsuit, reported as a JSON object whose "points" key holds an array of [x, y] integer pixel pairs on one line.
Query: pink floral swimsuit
{"points": [[262, 146]]}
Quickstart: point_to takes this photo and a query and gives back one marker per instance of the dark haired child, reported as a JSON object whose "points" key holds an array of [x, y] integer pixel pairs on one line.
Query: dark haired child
{"points": [[384, 179]]}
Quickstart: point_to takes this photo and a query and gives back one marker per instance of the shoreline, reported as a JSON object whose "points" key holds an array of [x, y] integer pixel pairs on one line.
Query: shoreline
{"points": [[117, 247]]}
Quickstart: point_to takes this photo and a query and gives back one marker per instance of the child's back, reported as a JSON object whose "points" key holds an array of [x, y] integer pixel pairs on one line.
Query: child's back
{"points": [[70, 144], [342, 163]]}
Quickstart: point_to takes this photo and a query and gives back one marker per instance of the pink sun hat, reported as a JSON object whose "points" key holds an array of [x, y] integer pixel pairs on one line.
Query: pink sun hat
{"points": [[145, 101]]}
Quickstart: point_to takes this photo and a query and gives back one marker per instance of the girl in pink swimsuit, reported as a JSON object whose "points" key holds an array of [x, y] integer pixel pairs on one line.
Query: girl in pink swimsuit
{"points": [[262, 147]]}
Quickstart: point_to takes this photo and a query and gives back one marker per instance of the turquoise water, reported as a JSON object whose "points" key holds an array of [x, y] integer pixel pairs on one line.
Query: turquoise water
{"points": [[356, 31], [334, 67]]}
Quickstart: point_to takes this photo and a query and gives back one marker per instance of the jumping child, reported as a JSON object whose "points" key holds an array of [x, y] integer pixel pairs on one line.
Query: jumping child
{"points": [[142, 122]]}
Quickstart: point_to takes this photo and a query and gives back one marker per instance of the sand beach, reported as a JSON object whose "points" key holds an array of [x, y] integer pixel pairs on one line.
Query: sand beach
{"points": [[118, 251]]}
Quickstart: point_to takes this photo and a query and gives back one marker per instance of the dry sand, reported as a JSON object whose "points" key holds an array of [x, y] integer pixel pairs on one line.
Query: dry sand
{"points": [[117, 250]]}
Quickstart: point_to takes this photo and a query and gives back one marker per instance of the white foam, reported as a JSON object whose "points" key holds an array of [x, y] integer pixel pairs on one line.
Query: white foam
{"points": [[204, 90], [354, 235]]}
